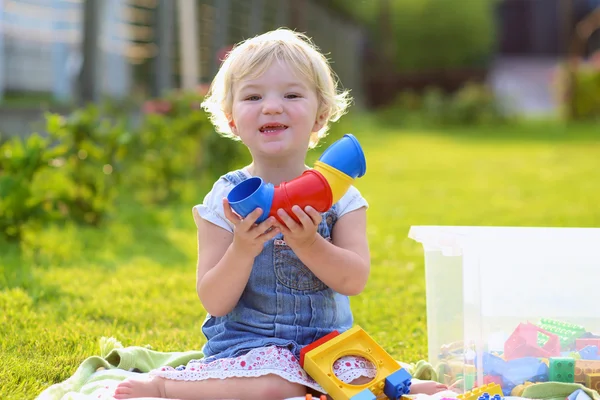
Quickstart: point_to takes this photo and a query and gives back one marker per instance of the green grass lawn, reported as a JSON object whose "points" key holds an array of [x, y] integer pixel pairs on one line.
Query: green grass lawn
{"points": [[135, 278]]}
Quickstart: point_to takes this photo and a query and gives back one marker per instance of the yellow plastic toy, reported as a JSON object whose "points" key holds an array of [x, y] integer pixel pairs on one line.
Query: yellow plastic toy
{"points": [[319, 361], [491, 389], [338, 181]]}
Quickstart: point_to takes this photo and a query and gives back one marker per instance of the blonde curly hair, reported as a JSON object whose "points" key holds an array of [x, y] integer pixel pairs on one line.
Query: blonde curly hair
{"points": [[250, 58]]}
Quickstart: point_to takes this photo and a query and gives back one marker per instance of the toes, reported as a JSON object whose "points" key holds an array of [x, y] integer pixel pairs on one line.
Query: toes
{"points": [[123, 390]]}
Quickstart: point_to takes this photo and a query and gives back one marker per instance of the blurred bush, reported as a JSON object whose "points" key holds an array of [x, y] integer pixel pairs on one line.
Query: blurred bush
{"points": [[88, 159], [472, 105], [90, 170], [25, 197], [581, 101]]}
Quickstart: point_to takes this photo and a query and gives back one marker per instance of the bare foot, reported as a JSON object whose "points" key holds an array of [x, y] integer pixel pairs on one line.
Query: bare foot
{"points": [[427, 387], [131, 389]]}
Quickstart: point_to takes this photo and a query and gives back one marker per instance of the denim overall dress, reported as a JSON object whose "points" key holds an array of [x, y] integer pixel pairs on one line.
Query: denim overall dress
{"points": [[284, 303]]}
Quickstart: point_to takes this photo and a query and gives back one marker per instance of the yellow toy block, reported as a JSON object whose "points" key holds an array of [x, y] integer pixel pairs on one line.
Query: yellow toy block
{"points": [[318, 363], [491, 389]]}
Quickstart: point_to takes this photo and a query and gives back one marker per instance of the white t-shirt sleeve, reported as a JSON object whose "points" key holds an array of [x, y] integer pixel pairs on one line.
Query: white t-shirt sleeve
{"points": [[211, 208], [351, 201]]}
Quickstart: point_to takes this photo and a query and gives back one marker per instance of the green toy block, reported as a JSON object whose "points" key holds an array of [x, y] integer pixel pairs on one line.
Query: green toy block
{"points": [[562, 369], [566, 332]]}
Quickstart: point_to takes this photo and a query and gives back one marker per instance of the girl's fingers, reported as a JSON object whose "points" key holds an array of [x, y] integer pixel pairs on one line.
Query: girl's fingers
{"points": [[304, 218], [287, 220], [314, 215], [229, 214], [264, 226], [269, 234], [251, 218]]}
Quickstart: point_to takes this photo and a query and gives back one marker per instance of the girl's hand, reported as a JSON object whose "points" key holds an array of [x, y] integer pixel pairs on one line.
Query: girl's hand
{"points": [[248, 236], [303, 234]]}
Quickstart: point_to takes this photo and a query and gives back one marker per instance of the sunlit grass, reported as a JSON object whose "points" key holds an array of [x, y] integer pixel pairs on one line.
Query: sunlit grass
{"points": [[135, 278]]}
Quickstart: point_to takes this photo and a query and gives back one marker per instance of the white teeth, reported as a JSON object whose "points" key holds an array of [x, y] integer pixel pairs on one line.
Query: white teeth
{"points": [[273, 128]]}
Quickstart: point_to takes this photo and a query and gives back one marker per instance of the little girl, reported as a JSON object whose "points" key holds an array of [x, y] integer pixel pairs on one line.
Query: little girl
{"points": [[271, 288]]}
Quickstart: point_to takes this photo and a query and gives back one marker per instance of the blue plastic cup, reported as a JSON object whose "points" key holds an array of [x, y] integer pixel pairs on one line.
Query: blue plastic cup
{"points": [[346, 155], [250, 194]]}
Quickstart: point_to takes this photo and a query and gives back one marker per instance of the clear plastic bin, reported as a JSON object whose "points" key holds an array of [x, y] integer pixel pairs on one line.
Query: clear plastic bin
{"points": [[512, 305]]}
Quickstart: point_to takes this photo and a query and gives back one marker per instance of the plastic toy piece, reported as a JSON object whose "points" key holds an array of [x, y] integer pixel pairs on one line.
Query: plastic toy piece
{"points": [[321, 187], [364, 395], [309, 189], [310, 397], [316, 344], [338, 181], [486, 396], [585, 367], [567, 333], [589, 353], [524, 369], [318, 363], [397, 384], [524, 343], [584, 342], [592, 381], [490, 389], [562, 369]]}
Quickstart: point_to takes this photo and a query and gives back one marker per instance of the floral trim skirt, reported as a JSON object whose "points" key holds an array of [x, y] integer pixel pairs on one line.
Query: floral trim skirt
{"points": [[263, 361]]}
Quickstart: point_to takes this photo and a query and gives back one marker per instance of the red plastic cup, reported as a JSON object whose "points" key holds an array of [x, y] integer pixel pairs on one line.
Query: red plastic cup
{"points": [[309, 189]]}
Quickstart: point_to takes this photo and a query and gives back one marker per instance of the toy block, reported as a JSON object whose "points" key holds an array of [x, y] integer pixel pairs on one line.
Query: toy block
{"points": [[566, 332], [310, 397], [562, 369], [397, 384], [492, 364], [316, 344], [592, 381], [364, 395], [486, 396], [491, 389], [318, 363], [589, 353], [584, 342], [584, 367], [523, 342], [525, 369]]}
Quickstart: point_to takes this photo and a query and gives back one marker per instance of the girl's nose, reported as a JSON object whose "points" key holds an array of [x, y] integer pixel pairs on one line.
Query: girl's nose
{"points": [[272, 106]]}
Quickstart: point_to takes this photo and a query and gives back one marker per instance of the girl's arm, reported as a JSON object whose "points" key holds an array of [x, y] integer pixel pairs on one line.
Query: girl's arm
{"points": [[225, 259], [344, 264]]}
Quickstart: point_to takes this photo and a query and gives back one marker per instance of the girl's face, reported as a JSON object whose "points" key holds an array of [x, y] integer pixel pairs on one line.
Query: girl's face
{"points": [[275, 114]]}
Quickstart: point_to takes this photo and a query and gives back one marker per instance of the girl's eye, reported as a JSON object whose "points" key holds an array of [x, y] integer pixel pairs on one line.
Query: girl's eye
{"points": [[292, 96], [253, 98]]}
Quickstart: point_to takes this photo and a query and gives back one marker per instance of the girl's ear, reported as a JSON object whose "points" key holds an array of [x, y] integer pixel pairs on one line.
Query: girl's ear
{"points": [[320, 122], [232, 125]]}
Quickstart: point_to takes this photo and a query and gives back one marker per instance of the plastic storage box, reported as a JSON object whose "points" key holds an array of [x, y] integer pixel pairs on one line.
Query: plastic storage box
{"points": [[512, 305]]}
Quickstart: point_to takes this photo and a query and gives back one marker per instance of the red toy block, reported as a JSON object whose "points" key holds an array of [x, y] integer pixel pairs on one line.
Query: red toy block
{"points": [[523, 343], [316, 344]]}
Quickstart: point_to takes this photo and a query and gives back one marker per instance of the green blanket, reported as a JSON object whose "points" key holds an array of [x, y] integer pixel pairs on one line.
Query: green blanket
{"points": [[98, 376]]}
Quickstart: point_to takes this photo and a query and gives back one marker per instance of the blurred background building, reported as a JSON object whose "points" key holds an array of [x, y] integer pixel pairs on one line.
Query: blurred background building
{"points": [[60, 53]]}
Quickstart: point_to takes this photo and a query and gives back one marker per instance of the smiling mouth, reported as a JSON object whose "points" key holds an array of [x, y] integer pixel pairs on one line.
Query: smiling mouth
{"points": [[272, 128]]}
